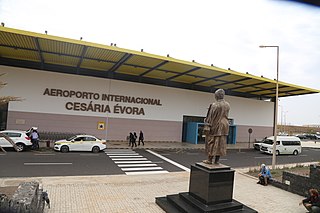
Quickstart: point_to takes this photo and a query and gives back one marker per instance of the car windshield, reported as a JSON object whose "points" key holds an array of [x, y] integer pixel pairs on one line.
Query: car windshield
{"points": [[71, 138], [268, 141]]}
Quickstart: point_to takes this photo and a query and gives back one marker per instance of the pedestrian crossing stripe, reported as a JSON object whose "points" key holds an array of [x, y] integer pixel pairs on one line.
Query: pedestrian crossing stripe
{"points": [[138, 168], [147, 172], [132, 163], [145, 161]]}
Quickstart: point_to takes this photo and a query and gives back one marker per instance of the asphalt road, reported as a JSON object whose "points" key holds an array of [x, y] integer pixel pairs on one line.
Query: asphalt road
{"points": [[245, 158], [34, 164]]}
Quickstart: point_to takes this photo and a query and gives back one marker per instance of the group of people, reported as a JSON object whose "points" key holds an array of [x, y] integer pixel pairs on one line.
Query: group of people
{"points": [[132, 138]]}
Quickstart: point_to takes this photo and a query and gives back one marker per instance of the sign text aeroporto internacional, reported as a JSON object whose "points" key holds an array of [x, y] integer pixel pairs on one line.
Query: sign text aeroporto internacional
{"points": [[105, 108]]}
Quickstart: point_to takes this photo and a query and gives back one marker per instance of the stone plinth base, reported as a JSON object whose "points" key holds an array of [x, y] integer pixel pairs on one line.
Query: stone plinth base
{"points": [[210, 190]]}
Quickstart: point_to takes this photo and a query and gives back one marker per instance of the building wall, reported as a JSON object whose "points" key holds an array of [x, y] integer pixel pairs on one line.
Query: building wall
{"points": [[44, 107]]}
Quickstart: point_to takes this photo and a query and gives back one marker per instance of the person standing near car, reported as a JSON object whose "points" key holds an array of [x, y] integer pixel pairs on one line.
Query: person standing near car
{"points": [[35, 139]]}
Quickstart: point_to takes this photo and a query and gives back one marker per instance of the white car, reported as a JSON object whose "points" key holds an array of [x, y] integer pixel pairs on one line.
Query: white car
{"points": [[21, 139], [80, 143], [284, 145]]}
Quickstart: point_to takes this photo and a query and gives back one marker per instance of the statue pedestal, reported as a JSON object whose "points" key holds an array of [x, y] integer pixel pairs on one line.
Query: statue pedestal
{"points": [[210, 190]]}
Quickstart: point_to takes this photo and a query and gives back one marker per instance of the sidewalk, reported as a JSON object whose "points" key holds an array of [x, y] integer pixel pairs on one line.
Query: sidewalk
{"points": [[126, 194]]}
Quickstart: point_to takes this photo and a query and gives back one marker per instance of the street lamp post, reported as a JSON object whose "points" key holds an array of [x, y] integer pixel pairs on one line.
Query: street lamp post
{"points": [[275, 111]]}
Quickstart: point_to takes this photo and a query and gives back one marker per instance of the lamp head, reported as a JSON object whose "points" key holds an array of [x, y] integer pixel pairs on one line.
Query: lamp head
{"points": [[262, 46]]}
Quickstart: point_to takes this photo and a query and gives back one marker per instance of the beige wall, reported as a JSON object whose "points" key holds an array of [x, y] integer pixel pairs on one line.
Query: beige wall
{"points": [[258, 132], [116, 129], [153, 130]]}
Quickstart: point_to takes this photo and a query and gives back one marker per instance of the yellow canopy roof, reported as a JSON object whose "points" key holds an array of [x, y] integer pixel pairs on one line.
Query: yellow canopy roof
{"points": [[45, 52]]}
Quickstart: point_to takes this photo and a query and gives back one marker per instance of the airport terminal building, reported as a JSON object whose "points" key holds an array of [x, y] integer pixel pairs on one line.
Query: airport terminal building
{"points": [[75, 86]]}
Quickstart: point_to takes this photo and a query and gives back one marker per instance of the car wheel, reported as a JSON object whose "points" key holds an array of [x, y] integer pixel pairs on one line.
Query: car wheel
{"points": [[277, 152], [64, 149], [20, 147], [295, 152], [95, 149]]}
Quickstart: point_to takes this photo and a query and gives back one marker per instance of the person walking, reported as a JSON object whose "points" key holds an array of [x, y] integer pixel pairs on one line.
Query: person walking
{"points": [[312, 202], [133, 140], [216, 128], [141, 138]]}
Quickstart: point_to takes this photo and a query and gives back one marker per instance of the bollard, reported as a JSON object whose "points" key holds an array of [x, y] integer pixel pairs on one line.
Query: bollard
{"points": [[48, 143]]}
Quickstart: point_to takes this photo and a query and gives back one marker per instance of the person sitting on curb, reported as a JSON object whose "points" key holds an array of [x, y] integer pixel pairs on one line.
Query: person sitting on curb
{"points": [[264, 175], [312, 202]]}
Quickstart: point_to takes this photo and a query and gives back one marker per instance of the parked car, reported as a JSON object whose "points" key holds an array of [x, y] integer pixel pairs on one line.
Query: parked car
{"points": [[257, 144], [301, 136], [80, 143], [21, 139], [311, 136], [307, 136], [284, 145]]}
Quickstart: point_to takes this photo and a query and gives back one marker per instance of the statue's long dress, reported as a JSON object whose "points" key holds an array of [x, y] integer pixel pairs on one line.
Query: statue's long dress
{"points": [[217, 118]]}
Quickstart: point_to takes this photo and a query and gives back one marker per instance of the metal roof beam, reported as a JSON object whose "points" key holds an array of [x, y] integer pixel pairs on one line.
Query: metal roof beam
{"points": [[287, 92], [153, 68], [272, 89], [231, 82], [120, 62], [211, 78], [55, 53], [36, 40], [183, 73], [249, 85]]}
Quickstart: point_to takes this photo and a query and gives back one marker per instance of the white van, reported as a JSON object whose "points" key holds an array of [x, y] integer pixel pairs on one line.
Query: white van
{"points": [[285, 145]]}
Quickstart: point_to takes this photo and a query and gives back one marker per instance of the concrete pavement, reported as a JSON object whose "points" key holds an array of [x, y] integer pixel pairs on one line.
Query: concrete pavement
{"points": [[122, 193]]}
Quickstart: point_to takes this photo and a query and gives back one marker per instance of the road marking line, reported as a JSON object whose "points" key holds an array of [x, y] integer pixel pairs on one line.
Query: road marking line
{"points": [[130, 159], [44, 154], [146, 161], [132, 165], [169, 161], [146, 172], [44, 164], [125, 156], [141, 169]]}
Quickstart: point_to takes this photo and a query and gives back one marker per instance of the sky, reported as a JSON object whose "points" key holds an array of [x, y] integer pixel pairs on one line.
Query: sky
{"points": [[224, 33]]}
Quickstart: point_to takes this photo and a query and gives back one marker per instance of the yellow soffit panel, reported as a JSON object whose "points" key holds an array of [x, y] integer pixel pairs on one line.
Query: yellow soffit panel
{"points": [[40, 48]]}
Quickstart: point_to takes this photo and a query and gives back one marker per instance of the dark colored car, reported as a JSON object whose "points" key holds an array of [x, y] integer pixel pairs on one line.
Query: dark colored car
{"points": [[311, 136], [301, 136]]}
